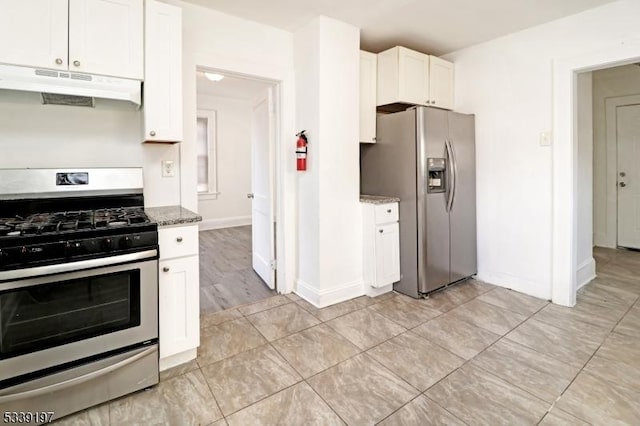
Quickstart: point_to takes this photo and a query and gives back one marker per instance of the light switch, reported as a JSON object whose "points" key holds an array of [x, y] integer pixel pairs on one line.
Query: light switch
{"points": [[168, 169], [545, 139]]}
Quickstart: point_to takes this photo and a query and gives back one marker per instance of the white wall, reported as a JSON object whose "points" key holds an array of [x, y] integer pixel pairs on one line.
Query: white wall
{"points": [[214, 40], [507, 83], [586, 264], [233, 163], [607, 84], [327, 59], [53, 136]]}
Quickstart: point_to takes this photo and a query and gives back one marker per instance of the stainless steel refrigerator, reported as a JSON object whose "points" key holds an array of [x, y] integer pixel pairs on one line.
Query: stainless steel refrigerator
{"points": [[426, 156]]}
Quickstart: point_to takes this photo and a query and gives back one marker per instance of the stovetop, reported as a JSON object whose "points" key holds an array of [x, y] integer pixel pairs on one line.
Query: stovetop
{"points": [[72, 221]]}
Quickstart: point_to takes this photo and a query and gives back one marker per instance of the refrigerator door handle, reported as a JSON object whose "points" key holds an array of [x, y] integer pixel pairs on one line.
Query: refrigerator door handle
{"points": [[452, 174]]}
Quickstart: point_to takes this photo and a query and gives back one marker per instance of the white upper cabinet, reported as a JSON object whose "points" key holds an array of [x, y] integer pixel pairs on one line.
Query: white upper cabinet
{"points": [[163, 73], [105, 37], [368, 72], [34, 33], [441, 83], [92, 36], [409, 77]]}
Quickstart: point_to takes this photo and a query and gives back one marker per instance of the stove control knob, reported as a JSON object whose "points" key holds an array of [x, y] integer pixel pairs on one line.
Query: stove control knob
{"points": [[24, 254], [126, 242], [106, 244], [72, 248]]}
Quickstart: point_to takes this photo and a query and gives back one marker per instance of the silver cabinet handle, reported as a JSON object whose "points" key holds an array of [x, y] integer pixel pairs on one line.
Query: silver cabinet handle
{"points": [[388, 210], [249, 195], [59, 61], [166, 269], [622, 174], [76, 63], [622, 184], [381, 231], [152, 133], [179, 239], [433, 102]]}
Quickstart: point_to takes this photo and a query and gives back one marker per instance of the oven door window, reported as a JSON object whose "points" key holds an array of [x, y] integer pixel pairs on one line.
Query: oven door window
{"points": [[53, 314]]}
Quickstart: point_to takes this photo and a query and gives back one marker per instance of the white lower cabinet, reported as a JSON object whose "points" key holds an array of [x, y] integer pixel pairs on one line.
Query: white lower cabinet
{"points": [[179, 305], [381, 257], [387, 254]]}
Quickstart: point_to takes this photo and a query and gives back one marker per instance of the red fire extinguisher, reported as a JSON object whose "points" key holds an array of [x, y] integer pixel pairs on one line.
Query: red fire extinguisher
{"points": [[301, 151]]}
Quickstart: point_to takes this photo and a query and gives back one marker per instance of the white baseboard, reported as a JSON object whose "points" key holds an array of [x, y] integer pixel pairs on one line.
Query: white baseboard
{"points": [[585, 273], [226, 222], [177, 359], [530, 288], [324, 298]]}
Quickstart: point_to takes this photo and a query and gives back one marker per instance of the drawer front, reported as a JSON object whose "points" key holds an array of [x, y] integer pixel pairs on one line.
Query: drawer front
{"points": [[386, 213], [177, 242]]}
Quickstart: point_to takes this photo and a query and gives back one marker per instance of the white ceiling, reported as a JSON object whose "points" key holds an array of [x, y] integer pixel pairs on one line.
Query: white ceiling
{"points": [[230, 87], [430, 26]]}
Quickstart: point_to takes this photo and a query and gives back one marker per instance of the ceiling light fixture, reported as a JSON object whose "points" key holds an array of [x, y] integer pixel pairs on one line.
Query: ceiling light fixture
{"points": [[213, 76]]}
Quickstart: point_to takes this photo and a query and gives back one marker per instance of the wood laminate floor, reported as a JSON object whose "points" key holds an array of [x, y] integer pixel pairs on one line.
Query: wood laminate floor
{"points": [[227, 278]]}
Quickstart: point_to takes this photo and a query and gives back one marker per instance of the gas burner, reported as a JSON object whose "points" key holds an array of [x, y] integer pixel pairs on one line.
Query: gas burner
{"points": [[72, 221]]}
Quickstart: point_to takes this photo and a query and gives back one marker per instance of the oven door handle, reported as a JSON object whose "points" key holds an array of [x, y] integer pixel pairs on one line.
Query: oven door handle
{"points": [[17, 274], [56, 387]]}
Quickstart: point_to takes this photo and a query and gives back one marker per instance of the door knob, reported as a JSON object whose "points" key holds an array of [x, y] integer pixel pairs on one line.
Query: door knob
{"points": [[622, 184], [165, 269], [76, 63], [59, 61], [179, 239], [152, 133], [250, 195], [381, 231], [622, 174]]}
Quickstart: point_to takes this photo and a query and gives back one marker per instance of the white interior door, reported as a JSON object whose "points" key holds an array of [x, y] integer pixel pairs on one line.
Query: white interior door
{"points": [[262, 215], [628, 132]]}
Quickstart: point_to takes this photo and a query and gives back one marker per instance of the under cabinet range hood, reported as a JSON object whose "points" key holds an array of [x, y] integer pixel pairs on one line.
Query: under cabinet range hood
{"points": [[69, 88]]}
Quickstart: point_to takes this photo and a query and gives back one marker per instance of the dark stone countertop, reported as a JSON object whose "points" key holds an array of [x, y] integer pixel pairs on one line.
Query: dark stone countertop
{"points": [[172, 215], [378, 199]]}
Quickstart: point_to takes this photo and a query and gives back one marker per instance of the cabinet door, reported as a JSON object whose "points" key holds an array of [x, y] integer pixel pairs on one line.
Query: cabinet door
{"points": [[163, 73], [387, 254], [368, 72], [179, 305], [413, 78], [105, 37], [441, 83], [34, 33]]}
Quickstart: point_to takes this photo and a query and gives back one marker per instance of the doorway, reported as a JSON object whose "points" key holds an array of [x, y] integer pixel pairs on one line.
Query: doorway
{"points": [[608, 173], [565, 210], [236, 122]]}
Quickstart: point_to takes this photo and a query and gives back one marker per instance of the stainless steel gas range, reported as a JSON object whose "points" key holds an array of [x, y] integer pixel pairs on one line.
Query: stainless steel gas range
{"points": [[78, 289]]}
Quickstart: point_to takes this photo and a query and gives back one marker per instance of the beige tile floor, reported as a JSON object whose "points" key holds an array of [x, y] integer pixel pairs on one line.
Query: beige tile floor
{"points": [[473, 354]]}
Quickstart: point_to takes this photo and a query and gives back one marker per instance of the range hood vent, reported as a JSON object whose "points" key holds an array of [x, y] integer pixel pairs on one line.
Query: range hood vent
{"points": [[69, 88], [69, 100]]}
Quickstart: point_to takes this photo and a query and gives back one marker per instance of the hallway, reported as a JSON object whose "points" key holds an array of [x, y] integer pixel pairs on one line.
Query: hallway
{"points": [[227, 278]]}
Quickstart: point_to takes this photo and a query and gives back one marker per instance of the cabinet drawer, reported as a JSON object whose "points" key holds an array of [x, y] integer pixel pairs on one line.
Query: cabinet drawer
{"points": [[386, 213], [177, 242]]}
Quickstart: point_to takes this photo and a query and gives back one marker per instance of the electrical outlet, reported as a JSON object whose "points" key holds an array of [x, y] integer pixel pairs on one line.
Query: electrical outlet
{"points": [[168, 169], [545, 139]]}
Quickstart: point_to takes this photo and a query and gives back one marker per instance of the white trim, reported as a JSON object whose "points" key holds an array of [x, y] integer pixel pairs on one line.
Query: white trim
{"points": [[205, 196], [565, 213], [324, 298], [374, 292], [177, 359], [225, 222], [585, 273], [212, 149], [513, 282]]}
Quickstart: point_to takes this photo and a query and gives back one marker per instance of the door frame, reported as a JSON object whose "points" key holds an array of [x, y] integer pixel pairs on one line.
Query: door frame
{"points": [[564, 262], [611, 141], [276, 177]]}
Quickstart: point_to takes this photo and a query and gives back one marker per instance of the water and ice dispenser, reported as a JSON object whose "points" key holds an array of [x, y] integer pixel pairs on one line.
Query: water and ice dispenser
{"points": [[436, 175]]}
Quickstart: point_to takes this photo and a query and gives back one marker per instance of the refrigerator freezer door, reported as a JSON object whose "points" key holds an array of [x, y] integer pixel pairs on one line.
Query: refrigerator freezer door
{"points": [[433, 218], [463, 211], [388, 167]]}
